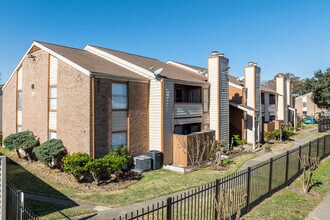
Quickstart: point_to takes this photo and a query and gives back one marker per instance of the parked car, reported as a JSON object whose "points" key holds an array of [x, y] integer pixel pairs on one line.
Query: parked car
{"points": [[310, 121]]}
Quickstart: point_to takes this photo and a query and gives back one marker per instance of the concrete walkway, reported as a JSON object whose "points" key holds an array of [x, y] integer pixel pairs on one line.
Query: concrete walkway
{"points": [[115, 212], [322, 211], [262, 156]]}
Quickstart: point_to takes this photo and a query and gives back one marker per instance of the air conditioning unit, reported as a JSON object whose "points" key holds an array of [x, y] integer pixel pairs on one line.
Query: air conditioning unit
{"points": [[142, 163]]}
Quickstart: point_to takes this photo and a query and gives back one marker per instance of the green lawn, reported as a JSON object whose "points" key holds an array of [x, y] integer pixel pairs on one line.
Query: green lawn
{"points": [[50, 211], [290, 203], [153, 184]]}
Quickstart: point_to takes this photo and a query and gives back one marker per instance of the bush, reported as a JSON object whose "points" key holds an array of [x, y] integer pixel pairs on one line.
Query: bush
{"points": [[50, 152], [75, 164], [97, 168], [286, 134], [122, 151], [114, 162], [22, 140], [238, 140], [9, 141]]}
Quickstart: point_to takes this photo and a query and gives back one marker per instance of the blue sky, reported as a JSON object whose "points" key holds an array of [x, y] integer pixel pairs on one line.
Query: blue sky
{"points": [[281, 36]]}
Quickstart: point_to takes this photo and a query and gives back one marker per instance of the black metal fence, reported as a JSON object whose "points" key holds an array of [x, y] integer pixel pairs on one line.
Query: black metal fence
{"points": [[324, 124], [242, 190], [15, 207]]}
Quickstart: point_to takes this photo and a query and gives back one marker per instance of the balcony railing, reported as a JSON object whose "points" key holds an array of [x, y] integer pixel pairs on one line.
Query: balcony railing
{"points": [[188, 110]]}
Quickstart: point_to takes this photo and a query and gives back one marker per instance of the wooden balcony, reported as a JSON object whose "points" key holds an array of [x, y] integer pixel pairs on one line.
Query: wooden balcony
{"points": [[188, 110]]}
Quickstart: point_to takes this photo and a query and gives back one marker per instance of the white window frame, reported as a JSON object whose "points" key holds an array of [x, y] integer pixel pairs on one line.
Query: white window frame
{"points": [[122, 96]]}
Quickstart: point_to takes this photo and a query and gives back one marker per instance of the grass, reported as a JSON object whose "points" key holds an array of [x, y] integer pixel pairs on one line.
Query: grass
{"points": [[153, 184], [50, 211], [290, 203]]}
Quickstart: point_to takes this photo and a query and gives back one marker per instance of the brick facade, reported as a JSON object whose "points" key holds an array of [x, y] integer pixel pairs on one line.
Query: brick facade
{"points": [[312, 108], [103, 116], [9, 108], [138, 94], [73, 108], [35, 105]]}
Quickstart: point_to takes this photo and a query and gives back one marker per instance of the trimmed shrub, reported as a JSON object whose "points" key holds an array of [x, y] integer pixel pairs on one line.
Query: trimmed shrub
{"points": [[22, 140], [114, 162], [9, 141], [97, 168], [50, 152], [75, 164], [121, 151], [286, 134]]}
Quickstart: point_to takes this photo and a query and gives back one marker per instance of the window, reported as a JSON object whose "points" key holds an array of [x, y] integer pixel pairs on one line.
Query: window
{"points": [[119, 96], [19, 100], [304, 104], [194, 95], [178, 95], [19, 128], [262, 98], [206, 100], [178, 129], [52, 135], [53, 97], [119, 139]]}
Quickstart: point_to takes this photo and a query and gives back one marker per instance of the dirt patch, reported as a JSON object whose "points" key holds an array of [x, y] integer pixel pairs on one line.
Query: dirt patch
{"points": [[63, 179], [311, 194]]}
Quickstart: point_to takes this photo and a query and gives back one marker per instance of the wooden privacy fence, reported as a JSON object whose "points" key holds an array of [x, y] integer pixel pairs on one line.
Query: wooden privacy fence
{"points": [[324, 125], [238, 192]]}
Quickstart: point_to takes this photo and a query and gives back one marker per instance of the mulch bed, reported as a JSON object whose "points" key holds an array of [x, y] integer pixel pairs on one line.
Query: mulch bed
{"points": [[63, 179]]}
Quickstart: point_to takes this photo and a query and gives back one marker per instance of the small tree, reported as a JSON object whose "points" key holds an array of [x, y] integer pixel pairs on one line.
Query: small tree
{"points": [[50, 152], [227, 202], [309, 165]]}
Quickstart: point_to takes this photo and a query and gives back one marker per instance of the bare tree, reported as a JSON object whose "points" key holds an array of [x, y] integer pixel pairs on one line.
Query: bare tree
{"points": [[228, 203], [309, 165]]}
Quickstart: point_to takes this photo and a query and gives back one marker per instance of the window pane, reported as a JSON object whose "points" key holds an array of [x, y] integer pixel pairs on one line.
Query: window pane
{"points": [[53, 92], [119, 89], [19, 129], [19, 95], [119, 139], [53, 103], [52, 135], [119, 102], [206, 100]]}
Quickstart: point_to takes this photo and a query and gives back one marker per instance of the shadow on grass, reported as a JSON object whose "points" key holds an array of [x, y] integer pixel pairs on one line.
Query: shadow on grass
{"points": [[315, 183], [41, 197]]}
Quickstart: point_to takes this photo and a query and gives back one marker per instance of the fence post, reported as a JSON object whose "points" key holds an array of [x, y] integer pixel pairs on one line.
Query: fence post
{"points": [[287, 168], [299, 160], [169, 208], [3, 183], [270, 177], [248, 190], [309, 149], [324, 145], [217, 191], [317, 147]]}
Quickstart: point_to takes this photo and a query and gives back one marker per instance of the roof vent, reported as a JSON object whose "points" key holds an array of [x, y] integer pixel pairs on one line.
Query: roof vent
{"points": [[251, 63], [221, 54]]}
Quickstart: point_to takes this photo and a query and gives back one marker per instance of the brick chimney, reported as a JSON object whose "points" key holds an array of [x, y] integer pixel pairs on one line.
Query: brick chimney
{"points": [[218, 70]]}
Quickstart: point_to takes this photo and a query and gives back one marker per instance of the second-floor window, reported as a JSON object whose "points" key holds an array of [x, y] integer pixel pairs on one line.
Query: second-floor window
{"points": [[53, 97], [304, 104], [119, 96], [206, 100], [19, 100]]}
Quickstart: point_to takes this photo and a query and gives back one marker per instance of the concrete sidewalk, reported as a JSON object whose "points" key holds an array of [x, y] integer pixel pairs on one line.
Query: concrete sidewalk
{"points": [[322, 211], [262, 156]]}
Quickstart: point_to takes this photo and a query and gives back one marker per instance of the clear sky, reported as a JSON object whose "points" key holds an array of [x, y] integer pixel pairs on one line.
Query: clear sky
{"points": [[280, 35]]}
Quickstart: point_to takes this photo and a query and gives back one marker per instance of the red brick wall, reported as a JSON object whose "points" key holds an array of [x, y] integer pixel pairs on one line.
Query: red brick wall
{"points": [[73, 108], [9, 108], [138, 117]]}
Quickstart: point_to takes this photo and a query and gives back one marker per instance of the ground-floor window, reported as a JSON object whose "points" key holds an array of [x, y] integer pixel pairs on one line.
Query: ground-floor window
{"points": [[52, 135], [119, 139], [187, 128], [19, 128]]}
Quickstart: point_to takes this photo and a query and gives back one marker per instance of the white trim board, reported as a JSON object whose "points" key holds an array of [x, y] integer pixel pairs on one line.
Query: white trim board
{"points": [[182, 66], [58, 56], [234, 85]]}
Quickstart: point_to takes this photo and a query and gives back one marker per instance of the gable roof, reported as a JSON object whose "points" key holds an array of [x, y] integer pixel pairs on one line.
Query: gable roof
{"points": [[169, 71], [93, 63]]}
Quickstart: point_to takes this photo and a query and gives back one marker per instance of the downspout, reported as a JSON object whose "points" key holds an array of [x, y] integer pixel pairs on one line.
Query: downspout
{"points": [[93, 117]]}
